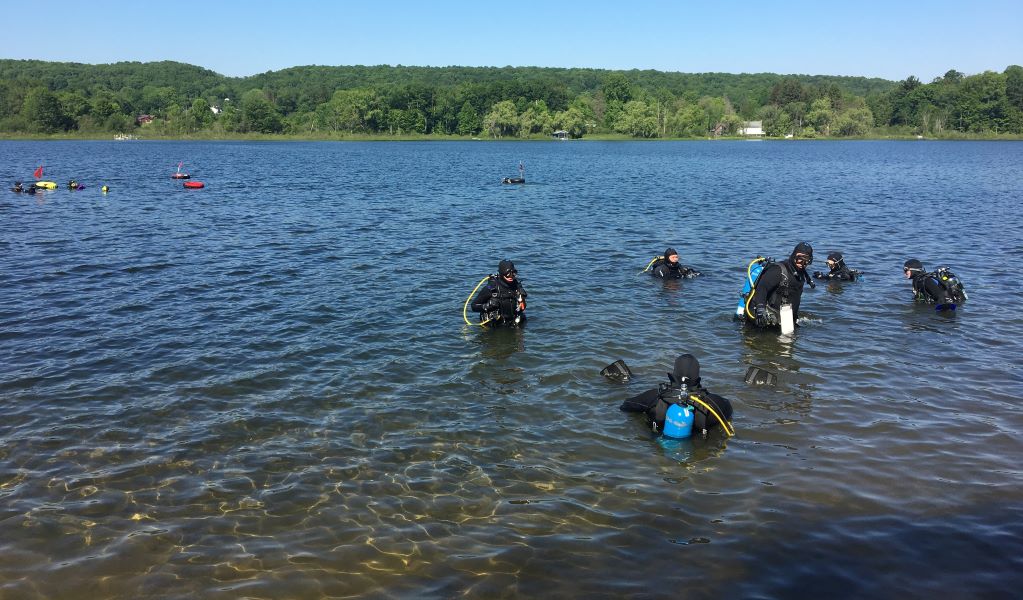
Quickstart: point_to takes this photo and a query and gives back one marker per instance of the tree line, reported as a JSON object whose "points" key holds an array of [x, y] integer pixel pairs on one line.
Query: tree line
{"points": [[175, 99]]}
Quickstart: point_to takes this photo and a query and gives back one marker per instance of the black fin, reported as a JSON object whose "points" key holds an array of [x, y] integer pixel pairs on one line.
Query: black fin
{"points": [[618, 371], [758, 376]]}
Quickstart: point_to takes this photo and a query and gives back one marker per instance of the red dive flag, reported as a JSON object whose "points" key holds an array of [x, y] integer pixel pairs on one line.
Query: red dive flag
{"points": [[38, 173]]}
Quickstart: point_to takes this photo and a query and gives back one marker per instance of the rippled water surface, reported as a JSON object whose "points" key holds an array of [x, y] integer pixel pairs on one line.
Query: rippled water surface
{"points": [[265, 388]]}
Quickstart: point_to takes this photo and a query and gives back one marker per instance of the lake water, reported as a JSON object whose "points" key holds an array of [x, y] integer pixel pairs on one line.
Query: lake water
{"points": [[265, 388]]}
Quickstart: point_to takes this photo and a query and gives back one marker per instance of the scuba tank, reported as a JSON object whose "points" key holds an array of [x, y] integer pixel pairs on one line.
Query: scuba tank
{"points": [[678, 415], [680, 411], [953, 285], [756, 266], [678, 421]]}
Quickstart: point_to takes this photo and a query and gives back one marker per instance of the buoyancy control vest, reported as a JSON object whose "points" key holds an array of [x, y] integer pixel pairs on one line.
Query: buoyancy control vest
{"points": [[789, 286], [506, 304], [709, 410], [955, 292]]}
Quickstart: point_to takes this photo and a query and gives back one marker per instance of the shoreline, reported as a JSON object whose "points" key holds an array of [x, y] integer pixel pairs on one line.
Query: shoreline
{"points": [[260, 137]]}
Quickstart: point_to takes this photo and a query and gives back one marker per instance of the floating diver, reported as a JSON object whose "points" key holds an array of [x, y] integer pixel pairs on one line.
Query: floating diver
{"points": [[837, 269], [682, 406], [668, 267], [18, 188], [502, 301], [940, 287]]}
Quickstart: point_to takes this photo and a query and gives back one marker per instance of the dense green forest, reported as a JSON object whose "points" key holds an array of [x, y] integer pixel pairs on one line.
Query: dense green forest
{"points": [[169, 99]]}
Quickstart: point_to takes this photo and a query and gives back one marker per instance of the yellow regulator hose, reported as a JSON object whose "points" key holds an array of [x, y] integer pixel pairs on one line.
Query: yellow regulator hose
{"points": [[465, 309]]}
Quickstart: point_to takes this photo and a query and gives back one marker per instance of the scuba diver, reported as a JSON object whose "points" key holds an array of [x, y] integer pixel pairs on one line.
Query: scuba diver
{"points": [[940, 287], [682, 406], [776, 293], [72, 185], [668, 267], [503, 300], [838, 269], [17, 189]]}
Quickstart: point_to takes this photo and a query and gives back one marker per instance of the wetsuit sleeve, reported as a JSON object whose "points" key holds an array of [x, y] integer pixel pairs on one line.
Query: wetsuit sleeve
{"points": [[935, 291], [658, 271], [769, 281], [644, 402], [689, 272], [482, 298]]}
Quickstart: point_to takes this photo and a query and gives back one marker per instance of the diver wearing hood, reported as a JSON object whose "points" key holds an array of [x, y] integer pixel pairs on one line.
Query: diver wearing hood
{"points": [[503, 300], [668, 267], [838, 269], [941, 287], [683, 388], [781, 283]]}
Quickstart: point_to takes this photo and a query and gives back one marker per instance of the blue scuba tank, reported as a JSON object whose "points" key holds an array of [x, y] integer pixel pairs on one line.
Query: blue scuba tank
{"points": [[747, 286], [678, 421]]}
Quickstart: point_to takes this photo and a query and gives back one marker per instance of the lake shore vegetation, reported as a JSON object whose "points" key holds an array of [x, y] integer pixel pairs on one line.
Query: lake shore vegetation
{"points": [[169, 100]]}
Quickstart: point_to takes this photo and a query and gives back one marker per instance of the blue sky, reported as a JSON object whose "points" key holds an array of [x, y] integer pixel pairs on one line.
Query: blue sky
{"points": [[889, 39]]}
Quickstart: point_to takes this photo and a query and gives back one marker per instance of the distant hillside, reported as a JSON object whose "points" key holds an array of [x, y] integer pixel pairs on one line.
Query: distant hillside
{"points": [[320, 101]]}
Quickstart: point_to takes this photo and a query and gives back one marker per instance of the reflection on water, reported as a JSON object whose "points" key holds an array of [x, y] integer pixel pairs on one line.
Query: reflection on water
{"points": [[266, 390]]}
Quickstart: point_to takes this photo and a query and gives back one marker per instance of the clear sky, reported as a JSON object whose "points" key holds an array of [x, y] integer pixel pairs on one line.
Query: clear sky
{"points": [[890, 39]]}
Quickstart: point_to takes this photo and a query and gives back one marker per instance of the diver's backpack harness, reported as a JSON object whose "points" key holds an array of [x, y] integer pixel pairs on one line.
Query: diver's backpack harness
{"points": [[654, 262], [950, 283], [696, 398], [494, 314]]}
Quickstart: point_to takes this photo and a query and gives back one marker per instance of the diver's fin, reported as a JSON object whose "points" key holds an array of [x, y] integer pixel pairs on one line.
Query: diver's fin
{"points": [[618, 371], [758, 376]]}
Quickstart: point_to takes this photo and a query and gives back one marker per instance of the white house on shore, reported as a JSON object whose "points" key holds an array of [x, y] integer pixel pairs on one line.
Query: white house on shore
{"points": [[752, 129]]}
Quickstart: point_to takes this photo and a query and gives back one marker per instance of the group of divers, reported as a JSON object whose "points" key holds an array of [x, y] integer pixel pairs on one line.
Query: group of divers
{"points": [[682, 407], [38, 186]]}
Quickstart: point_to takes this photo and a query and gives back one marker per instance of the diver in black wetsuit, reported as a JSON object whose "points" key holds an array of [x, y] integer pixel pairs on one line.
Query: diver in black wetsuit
{"points": [[668, 267], [683, 381], [781, 283], [838, 269], [927, 287], [18, 188], [503, 300]]}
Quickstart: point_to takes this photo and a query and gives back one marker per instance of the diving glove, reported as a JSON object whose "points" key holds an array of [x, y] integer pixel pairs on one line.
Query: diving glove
{"points": [[764, 317]]}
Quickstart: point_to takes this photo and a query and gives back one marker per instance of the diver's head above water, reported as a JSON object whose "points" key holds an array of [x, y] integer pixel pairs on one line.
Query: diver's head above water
{"points": [[912, 268], [835, 260], [506, 269], [687, 368], [802, 255]]}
